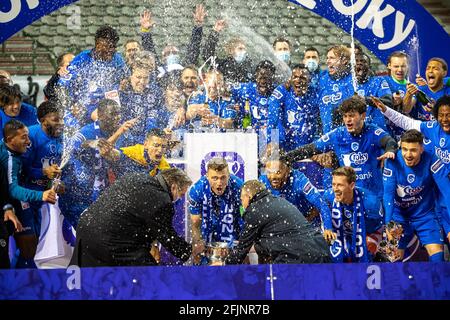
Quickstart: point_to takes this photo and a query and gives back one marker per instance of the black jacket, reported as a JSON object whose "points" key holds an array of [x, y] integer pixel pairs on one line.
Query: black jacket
{"points": [[118, 229], [280, 233]]}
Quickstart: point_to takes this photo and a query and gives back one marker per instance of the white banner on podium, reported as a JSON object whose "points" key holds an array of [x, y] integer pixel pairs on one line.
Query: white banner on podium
{"points": [[238, 148]]}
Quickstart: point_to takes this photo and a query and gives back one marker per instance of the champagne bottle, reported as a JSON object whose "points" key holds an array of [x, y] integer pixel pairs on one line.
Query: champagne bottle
{"points": [[422, 98], [247, 120]]}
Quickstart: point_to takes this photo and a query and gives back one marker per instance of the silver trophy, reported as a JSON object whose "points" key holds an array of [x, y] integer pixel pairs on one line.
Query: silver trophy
{"points": [[389, 248]]}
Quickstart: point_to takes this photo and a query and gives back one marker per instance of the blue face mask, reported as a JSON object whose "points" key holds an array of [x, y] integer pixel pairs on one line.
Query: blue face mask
{"points": [[284, 56], [173, 59], [312, 65], [240, 56]]}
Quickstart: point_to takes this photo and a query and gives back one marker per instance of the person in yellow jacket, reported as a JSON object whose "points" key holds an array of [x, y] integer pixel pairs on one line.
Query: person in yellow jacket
{"points": [[148, 157]]}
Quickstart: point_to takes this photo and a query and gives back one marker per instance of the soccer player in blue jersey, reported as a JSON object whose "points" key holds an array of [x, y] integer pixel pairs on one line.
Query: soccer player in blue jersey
{"points": [[438, 131], [356, 213], [370, 85], [356, 144], [93, 73], [214, 108], [293, 110], [141, 99], [409, 195], [441, 175], [214, 205], [281, 180], [12, 107], [92, 155], [257, 94], [15, 143], [398, 67], [435, 88], [334, 87]]}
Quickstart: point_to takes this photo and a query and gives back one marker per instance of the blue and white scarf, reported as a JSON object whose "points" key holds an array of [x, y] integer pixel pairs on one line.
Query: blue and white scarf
{"points": [[219, 216], [357, 248]]}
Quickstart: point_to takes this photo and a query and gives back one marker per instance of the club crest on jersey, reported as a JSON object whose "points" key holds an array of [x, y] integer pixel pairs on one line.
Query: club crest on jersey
{"points": [[411, 178], [384, 85], [442, 142], [263, 101], [430, 124], [335, 88], [355, 146]]}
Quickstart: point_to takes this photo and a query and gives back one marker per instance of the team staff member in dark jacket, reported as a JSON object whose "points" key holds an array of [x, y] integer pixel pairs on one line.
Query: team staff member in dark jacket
{"points": [[278, 230], [119, 228]]}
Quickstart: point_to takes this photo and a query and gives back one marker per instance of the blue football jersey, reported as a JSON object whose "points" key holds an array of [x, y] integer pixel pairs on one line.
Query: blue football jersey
{"points": [[377, 87], [359, 152], [27, 115], [43, 152], [221, 218], [299, 191], [440, 140], [408, 191], [332, 93], [418, 112], [294, 116]]}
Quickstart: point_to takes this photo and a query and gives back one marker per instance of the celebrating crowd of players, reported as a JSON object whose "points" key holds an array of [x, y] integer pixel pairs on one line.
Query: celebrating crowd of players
{"points": [[379, 146]]}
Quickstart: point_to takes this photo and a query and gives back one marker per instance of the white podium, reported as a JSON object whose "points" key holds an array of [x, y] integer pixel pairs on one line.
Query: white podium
{"points": [[240, 149]]}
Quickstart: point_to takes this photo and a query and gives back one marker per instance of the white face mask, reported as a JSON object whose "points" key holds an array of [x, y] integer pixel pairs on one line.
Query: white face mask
{"points": [[284, 56], [173, 59], [240, 56], [312, 65]]}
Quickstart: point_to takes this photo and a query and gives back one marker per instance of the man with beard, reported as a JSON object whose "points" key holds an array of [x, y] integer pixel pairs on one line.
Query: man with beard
{"points": [[435, 88], [356, 144], [91, 155], [281, 180], [334, 87], [293, 110], [369, 85], [214, 203], [94, 74], [120, 227], [256, 95], [409, 196], [12, 147], [12, 107]]}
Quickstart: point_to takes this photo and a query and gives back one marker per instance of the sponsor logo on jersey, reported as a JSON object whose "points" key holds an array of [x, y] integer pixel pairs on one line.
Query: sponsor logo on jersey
{"points": [[404, 191], [355, 158], [442, 154], [333, 98]]}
